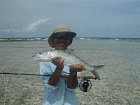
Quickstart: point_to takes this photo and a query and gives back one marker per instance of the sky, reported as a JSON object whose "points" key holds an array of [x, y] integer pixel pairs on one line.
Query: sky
{"points": [[88, 18]]}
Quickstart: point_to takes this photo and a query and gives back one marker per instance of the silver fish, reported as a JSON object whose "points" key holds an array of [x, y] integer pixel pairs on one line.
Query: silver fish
{"points": [[69, 59]]}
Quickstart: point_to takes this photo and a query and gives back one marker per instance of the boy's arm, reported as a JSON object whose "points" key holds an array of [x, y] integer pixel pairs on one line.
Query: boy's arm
{"points": [[54, 79], [72, 80]]}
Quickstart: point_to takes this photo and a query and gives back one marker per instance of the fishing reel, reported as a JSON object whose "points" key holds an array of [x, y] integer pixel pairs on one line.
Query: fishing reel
{"points": [[85, 84]]}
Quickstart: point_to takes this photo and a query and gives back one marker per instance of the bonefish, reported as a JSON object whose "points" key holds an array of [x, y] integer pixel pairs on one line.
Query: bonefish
{"points": [[69, 59]]}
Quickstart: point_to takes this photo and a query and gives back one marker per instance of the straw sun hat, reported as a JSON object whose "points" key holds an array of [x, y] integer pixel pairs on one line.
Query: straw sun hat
{"points": [[59, 31]]}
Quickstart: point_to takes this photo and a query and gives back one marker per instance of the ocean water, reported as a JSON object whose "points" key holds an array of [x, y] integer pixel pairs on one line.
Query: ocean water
{"points": [[120, 78]]}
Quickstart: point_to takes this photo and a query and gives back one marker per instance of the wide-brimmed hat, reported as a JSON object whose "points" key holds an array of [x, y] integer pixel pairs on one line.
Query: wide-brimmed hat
{"points": [[58, 32]]}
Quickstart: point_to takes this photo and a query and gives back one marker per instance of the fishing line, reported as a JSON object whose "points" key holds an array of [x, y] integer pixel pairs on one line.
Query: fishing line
{"points": [[22, 74]]}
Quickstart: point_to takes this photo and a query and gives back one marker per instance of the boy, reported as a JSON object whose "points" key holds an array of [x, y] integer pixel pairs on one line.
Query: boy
{"points": [[58, 90]]}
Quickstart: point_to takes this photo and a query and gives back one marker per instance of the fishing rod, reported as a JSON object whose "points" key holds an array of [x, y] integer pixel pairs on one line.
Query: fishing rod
{"points": [[64, 76], [84, 85]]}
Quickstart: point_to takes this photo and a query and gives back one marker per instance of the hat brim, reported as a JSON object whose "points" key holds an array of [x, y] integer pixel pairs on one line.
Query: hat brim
{"points": [[53, 35], [70, 34]]}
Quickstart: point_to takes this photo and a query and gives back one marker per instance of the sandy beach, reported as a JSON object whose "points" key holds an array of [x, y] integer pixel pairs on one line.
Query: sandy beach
{"points": [[120, 78]]}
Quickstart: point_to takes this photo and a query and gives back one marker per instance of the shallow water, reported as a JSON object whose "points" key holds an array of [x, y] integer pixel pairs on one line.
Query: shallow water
{"points": [[120, 78]]}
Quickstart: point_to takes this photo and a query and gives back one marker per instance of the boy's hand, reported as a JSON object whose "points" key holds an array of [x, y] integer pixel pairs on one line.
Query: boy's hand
{"points": [[58, 61], [77, 67]]}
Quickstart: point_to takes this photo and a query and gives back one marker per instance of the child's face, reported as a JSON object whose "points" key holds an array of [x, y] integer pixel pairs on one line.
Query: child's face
{"points": [[61, 43]]}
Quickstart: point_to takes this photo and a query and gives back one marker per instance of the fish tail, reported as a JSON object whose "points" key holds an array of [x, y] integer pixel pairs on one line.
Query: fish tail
{"points": [[95, 73]]}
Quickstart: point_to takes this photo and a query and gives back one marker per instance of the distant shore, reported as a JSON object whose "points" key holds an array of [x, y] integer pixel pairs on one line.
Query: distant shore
{"points": [[22, 39], [19, 40]]}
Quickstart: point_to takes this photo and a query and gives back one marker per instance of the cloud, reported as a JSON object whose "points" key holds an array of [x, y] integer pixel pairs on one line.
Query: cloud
{"points": [[35, 25]]}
